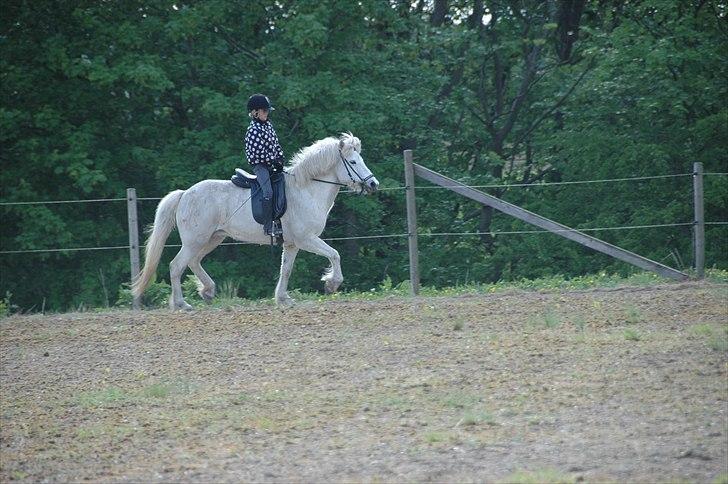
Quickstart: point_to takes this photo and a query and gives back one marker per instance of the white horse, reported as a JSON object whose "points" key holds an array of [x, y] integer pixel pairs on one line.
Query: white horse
{"points": [[211, 210]]}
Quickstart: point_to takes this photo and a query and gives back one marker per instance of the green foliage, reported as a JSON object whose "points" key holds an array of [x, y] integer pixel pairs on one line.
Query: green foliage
{"points": [[156, 296], [5, 306], [100, 97]]}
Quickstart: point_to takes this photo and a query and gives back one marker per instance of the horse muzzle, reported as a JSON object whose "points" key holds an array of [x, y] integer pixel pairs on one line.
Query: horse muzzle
{"points": [[370, 186]]}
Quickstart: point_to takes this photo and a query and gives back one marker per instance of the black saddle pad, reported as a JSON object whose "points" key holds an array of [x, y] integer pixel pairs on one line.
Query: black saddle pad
{"points": [[244, 179]]}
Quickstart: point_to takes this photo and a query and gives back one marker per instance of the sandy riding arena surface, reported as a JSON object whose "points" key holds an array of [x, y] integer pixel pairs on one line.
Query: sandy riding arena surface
{"points": [[626, 384]]}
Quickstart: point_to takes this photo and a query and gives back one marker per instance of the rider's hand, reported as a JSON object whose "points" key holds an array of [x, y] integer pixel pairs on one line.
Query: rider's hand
{"points": [[278, 164]]}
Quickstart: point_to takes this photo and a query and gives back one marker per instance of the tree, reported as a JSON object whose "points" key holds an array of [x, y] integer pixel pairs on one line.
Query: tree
{"points": [[101, 96]]}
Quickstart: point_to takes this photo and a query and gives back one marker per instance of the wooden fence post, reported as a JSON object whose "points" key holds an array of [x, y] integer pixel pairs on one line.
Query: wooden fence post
{"points": [[131, 208], [409, 180], [699, 223]]}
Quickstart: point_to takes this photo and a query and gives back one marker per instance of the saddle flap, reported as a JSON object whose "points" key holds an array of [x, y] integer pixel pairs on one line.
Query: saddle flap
{"points": [[263, 212]]}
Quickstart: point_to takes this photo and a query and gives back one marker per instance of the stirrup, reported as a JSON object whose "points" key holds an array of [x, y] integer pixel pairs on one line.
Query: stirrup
{"points": [[276, 229]]}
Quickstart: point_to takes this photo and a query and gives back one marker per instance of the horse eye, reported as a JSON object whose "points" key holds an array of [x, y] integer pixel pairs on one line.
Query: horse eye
{"points": [[353, 162]]}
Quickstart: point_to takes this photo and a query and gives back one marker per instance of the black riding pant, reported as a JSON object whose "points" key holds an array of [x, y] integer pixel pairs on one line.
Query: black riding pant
{"points": [[263, 174]]}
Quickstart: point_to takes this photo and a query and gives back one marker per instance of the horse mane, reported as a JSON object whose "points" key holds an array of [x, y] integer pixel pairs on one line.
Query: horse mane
{"points": [[318, 158]]}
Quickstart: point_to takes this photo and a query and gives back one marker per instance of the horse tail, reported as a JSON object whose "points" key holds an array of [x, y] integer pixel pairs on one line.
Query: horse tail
{"points": [[164, 222]]}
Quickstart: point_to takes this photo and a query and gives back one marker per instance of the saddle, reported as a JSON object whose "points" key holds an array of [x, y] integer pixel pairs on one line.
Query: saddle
{"points": [[261, 211]]}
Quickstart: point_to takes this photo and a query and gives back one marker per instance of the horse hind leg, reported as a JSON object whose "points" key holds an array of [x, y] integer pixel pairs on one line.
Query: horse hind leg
{"points": [[176, 269], [206, 288]]}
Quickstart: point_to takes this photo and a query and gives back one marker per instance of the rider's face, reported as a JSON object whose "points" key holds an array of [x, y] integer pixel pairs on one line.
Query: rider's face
{"points": [[261, 114]]}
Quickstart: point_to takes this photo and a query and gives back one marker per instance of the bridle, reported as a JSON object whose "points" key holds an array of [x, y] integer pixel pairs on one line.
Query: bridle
{"points": [[349, 165]]}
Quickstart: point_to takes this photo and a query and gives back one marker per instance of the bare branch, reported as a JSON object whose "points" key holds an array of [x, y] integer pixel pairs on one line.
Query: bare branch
{"points": [[553, 108], [529, 70]]}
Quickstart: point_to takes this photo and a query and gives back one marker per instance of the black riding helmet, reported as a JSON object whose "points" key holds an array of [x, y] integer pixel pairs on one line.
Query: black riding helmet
{"points": [[259, 101]]}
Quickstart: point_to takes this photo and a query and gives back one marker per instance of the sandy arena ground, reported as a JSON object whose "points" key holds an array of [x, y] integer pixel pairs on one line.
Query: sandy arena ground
{"points": [[624, 384]]}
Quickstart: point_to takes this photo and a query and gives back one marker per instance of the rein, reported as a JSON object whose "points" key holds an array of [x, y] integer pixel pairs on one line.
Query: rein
{"points": [[330, 182]]}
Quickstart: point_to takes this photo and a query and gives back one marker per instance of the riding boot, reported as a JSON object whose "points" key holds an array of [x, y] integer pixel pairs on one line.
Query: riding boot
{"points": [[267, 206]]}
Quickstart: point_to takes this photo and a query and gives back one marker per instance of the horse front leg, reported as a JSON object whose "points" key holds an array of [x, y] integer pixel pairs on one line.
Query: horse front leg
{"points": [[333, 276], [287, 259]]}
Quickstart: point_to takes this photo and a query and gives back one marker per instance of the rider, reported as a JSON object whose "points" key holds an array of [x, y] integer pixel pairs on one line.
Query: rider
{"points": [[264, 152]]}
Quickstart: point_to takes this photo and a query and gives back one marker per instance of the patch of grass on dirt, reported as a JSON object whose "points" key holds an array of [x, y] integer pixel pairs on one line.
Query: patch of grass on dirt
{"points": [[548, 319], [701, 330], [579, 323], [396, 402], [544, 476], [633, 315], [472, 419], [113, 396], [719, 343], [156, 390], [435, 437], [113, 430], [551, 319], [632, 335], [102, 398], [19, 475], [715, 336], [461, 400]]}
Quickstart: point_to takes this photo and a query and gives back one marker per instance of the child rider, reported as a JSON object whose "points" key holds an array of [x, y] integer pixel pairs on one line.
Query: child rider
{"points": [[264, 152]]}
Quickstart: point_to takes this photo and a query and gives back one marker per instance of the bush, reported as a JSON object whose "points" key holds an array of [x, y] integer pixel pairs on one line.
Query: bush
{"points": [[6, 307], [155, 296]]}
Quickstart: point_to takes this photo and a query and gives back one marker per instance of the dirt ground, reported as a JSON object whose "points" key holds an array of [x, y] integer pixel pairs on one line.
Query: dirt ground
{"points": [[625, 384]]}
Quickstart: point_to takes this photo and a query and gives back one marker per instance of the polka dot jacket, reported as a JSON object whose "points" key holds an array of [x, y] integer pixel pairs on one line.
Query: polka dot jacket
{"points": [[261, 144]]}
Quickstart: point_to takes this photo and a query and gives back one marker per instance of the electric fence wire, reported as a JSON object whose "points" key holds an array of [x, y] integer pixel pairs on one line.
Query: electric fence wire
{"points": [[384, 236], [363, 237], [512, 185]]}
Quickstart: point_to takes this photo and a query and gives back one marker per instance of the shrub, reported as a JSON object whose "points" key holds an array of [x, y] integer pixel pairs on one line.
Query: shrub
{"points": [[155, 296]]}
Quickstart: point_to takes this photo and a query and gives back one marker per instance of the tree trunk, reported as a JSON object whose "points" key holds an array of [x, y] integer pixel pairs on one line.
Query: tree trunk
{"points": [[567, 32], [439, 13], [486, 218]]}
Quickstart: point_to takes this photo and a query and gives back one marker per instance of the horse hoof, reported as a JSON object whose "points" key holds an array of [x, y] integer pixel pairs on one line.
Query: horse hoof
{"points": [[183, 306], [285, 303], [331, 287]]}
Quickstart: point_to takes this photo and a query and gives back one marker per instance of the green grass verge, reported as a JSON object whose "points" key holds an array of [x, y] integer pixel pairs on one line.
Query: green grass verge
{"points": [[158, 293], [555, 283]]}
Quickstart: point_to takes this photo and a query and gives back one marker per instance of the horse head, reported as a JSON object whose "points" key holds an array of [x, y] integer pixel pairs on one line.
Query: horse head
{"points": [[352, 170]]}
